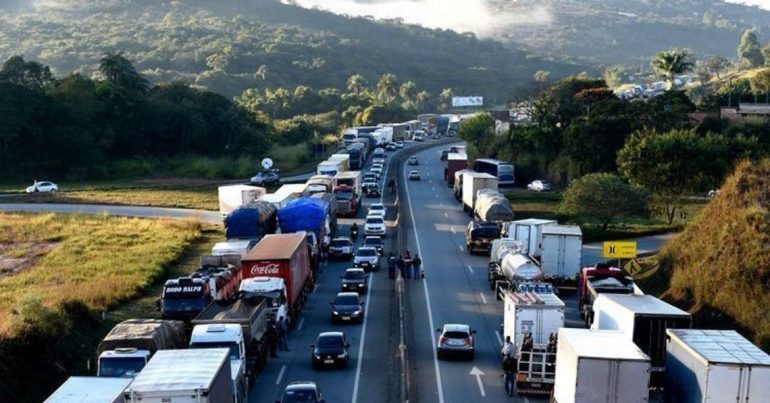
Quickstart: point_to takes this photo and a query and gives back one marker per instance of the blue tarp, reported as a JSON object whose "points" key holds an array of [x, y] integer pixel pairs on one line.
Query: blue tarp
{"points": [[251, 221], [303, 214]]}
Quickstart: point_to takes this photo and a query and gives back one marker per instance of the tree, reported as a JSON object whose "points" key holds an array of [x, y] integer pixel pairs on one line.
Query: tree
{"points": [[542, 76], [386, 88], [119, 71], [615, 75], [32, 75], [357, 83], [766, 54], [717, 64], [445, 99], [749, 52], [589, 96], [408, 91], [760, 84], [603, 197], [421, 100], [478, 130], [671, 63]]}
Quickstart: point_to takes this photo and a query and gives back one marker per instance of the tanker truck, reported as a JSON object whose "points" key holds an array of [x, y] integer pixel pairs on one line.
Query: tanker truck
{"points": [[509, 268]]}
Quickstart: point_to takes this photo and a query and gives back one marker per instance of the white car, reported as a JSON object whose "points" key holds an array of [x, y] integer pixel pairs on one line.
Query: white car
{"points": [[374, 226], [714, 193], [377, 210], [378, 161], [367, 258], [377, 170], [43, 187], [539, 186], [455, 339], [399, 144], [414, 175]]}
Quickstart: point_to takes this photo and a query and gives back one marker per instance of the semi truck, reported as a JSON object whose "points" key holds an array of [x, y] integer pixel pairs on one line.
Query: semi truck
{"points": [[330, 167], [353, 133], [217, 278], [344, 158], [233, 196], [238, 247], [454, 162], [508, 267], [231, 336], [184, 376], [252, 221], [472, 183], [712, 366], [599, 366], [602, 279], [127, 348], [278, 200], [284, 256], [347, 189], [492, 206], [311, 215], [331, 201], [318, 184], [529, 232], [561, 253], [357, 153], [399, 130], [642, 319], [90, 389], [532, 321], [457, 185], [272, 290]]}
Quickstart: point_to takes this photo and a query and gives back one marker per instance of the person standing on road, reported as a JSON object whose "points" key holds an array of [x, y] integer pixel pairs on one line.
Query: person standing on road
{"points": [[272, 339], [283, 334], [509, 349], [509, 365], [408, 263], [416, 263], [391, 266], [401, 266]]}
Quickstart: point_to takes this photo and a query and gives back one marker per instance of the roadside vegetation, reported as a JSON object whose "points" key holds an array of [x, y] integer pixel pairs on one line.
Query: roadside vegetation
{"points": [[191, 198]]}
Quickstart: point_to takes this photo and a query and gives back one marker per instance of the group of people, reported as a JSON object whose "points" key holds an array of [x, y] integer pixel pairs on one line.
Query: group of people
{"points": [[408, 267], [278, 336]]}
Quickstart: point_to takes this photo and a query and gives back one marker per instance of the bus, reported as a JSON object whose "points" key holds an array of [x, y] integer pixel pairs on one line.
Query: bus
{"points": [[503, 170]]}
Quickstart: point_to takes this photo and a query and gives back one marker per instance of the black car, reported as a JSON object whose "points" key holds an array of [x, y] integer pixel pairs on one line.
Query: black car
{"points": [[330, 348], [347, 307], [373, 190], [354, 280], [301, 392], [375, 242], [480, 234]]}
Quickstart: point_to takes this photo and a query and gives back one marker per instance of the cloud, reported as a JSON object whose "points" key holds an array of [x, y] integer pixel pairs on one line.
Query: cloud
{"points": [[476, 16]]}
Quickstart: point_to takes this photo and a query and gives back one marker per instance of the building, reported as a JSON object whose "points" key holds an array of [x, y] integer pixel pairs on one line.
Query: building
{"points": [[746, 111]]}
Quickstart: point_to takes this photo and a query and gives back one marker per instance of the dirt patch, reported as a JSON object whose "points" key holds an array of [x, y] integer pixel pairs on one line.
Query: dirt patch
{"points": [[17, 257]]}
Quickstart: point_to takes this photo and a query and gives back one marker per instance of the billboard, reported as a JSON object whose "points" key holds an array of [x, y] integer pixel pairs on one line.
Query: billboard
{"points": [[467, 101]]}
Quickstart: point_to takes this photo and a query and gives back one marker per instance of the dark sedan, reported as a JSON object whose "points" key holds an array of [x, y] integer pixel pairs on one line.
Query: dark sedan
{"points": [[354, 280], [330, 348], [347, 307]]}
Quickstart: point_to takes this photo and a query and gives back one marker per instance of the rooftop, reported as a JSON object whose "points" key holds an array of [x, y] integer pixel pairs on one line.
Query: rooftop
{"points": [[720, 346]]}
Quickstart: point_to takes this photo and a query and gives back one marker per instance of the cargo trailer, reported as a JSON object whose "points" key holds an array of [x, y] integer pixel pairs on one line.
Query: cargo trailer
{"points": [[90, 389]]}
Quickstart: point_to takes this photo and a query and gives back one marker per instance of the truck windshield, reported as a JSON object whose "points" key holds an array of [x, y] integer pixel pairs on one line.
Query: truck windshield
{"points": [[344, 194], [235, 353], [183, 305], [505, 170], [121, 367], [485, 232]]}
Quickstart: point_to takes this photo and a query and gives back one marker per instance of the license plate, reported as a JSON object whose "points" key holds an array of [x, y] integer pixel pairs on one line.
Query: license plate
{"points": [[345, 318], [328, 361]]}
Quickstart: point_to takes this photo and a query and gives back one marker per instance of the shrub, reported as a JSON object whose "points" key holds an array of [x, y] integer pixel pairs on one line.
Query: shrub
{"points": [[603, 197]]}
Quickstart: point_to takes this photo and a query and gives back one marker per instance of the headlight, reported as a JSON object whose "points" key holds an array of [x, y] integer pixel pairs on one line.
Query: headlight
{"points": [[341, 356], [335, 312], [356, 313], [318, 356]]}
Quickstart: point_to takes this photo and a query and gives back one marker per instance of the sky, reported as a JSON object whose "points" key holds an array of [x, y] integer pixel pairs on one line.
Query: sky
{"points": [[761, 3]]}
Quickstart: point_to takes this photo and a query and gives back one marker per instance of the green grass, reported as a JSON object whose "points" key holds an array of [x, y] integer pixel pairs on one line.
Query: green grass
{"points": [[98, 260], [201, 198]]}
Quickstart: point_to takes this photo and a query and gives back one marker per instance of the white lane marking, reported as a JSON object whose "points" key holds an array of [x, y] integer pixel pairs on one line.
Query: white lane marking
{"points": [[441, 204], [280, 375], [478, 374], [470, 269], [360, 358], [301, 322], [461, 248], [499, 339], [431, 328], [453, 230], [446, 215], [483, 298]]}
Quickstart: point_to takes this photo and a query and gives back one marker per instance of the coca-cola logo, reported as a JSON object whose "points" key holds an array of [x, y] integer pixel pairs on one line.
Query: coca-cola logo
{"points": [[269, 268]]}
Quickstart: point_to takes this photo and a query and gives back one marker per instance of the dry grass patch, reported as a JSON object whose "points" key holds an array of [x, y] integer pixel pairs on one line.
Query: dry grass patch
{"points": [[204, 198], [99, 260]]}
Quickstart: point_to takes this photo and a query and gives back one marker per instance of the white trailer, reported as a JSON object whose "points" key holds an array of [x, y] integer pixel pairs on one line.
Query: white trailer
{"points": [[712, 366], [276, 199], [329, 168], [235, 247], [294, 190], [384, 135], [540, 315], [233, 196], [472, 183], [184, 376], [561, 251], [344, 158], [598, 366], [530, 233], [90, 389]]}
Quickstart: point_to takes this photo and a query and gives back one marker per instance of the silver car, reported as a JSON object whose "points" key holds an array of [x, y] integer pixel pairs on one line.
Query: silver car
{"points": [[367, 258], [455, 339]]}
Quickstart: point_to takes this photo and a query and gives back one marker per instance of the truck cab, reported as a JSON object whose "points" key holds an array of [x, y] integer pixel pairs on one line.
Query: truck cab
{"points": [[228, 336], [347, 200], [604, 279], [273, 290], [183, 298], [122, 362]]}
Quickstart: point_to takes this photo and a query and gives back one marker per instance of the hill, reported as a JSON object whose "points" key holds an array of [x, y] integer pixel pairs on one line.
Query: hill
{"points": [[720, 265], [230, 45]]}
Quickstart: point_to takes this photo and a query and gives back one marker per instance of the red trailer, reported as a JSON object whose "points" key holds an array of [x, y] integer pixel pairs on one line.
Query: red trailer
{"points": [[598, 279], [454, 163], [285, 256]]}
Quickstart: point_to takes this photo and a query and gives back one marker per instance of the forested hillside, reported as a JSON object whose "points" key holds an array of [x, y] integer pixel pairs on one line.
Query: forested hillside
{"points": [[228, 46]]}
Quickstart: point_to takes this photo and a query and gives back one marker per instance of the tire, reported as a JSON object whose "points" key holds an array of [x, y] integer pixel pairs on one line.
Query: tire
{"points": [[470, 356]]}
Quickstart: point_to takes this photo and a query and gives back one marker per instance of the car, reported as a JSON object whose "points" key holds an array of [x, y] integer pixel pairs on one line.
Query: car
{"points": [[419, 135], [302, 392], [373, 190], [376, 169], [377, 210], [714, 193], [455, 339], [391, 147], [347, 307], [367, 258], [414, 175], [378, 161], [370, 177], [374, 226], [354, 280], [341, 247], [374, 242], [330, 348], [43, 187], [539, 186], [413, 160], [268, 177], [399, 144]]}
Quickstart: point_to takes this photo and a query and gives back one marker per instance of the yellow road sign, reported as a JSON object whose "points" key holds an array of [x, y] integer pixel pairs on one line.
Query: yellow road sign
{"points": [[632, 267], [620, 250]]}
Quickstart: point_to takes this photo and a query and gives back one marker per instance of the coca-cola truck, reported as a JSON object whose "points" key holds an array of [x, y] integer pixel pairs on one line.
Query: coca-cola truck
{"points": [[284, 256]]}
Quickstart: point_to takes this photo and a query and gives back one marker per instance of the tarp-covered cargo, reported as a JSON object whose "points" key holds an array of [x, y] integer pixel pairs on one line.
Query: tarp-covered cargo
{"points": [[145, 334], [304, 214], [491, 205], [253, 220]]}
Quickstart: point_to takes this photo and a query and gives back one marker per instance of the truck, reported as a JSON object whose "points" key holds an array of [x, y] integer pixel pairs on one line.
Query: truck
{"points": [[347, 189], [272, 290], [458, 183], [233, 196], [599, 366], [310, 215], [399, 130], [384, 135], [561, 251], [278, 200], [710, 366], [231, 336], [318, 184], [363, 144], [492, 206], [184, 376], [454, 162], [217, 278], [85, 389], [127, 348], [642, 319], [330, 168], [344, 158], [443, 125], [238, 247], [529, 232], [511, 270], [293, 190], [356, 155], [252, 221], [472, 183], [331, 201], [353, 133], [284, 256], [601, 279], [538, 317]]}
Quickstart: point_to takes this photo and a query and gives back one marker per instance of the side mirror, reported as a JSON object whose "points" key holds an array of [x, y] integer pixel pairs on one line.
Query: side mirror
{"points": [[347, 345], [363, 303], [312, 346], [157, 304]]}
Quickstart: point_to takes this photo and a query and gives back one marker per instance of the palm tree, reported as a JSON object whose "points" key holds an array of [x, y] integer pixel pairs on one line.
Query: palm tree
{"points": [[357, 83], [386, 88], [408, 91], [670, 63], [445, 99], [118, 70], [421, 100]]}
